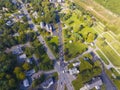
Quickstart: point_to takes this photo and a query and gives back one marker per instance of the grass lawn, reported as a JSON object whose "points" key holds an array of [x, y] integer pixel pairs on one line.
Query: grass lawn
{"points": [[76, 23], [116, 46], [78, 83], [108, 37], [102, 57], [101, 13], [99, 27], [112, 5], [53, 44], [115, 72], [74, 49], [108, 51]]}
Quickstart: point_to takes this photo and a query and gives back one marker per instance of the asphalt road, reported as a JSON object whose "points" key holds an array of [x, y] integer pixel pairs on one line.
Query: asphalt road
{"points": [[64, 78], [108, 83]]}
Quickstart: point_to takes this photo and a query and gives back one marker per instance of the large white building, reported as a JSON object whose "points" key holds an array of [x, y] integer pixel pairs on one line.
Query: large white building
{"points": [[73, 71]]}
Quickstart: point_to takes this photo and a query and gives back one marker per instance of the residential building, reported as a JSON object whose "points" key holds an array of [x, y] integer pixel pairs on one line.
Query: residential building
{"points": [[30, 72], [73, 71], [86, 58], [4, 9], [26, 83], [30, 60], [42, 25], [94, 83], [18, 50], [76, 64], [14, 2], [60, 1], [47, 27], [55, 1], [22, 58], [9, 23], [35, 14], [47, 83], [16, 34]]}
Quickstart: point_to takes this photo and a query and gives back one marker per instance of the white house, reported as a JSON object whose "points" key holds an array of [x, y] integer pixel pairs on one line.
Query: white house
{"points": [[73, 71], [42, 25], [26, 83], [22, 58], [35, 15], [76, 64]]}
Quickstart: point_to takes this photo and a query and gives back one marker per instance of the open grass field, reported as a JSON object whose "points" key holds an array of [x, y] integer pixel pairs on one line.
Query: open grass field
{"points": [[108, 51], [53, 44], [75, 49], [102, 57], [112, 5], [108, 37], [106, 16], [73, 37], [116, 46], [76, 22]]}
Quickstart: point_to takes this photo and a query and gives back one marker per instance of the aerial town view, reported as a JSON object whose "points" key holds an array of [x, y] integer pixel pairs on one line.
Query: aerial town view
{"points": [[59, 44]]}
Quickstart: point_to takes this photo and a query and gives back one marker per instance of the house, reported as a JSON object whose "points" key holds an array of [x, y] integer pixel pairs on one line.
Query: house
{"points": [[16, 34], [47, 83], [73, 71], [35, 15], [47, 27], [60, 1], [26, 83], [94, 83], [55, 1], [86, 58], [4, 9], [22, 58], [14, 2], [42, 25], [30, 60], [9, 23], [76, 64], [18, 50], [30, 72], [52, 1]]}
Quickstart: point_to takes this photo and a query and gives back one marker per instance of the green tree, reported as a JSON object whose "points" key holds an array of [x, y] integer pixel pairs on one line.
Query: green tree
{"points": [[26, 66], [17, 70], [21, 76], [12, 83]]}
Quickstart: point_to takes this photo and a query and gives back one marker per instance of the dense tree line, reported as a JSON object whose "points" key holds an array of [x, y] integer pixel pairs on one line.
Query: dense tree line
{"points": [[45, 10], [8, 4], [8, 80]]}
